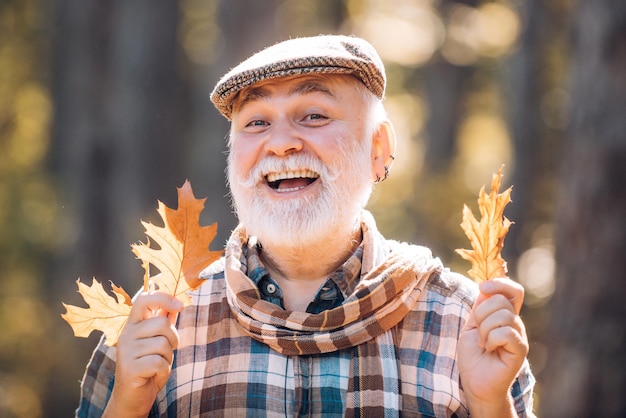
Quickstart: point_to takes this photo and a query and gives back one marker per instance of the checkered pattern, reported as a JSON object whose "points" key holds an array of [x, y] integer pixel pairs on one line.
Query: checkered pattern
{"points": [[326, 54], [220, 371], [381, 299]]}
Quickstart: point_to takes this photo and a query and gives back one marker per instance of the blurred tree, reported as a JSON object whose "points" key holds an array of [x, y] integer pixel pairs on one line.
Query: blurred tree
{"points": [[119, 138], [446, 85], [587, 334], [28, 209], [536, 101], [527, 128]]}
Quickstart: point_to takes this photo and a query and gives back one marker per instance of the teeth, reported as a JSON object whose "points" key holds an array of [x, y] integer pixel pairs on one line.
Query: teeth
{"points": [[291, 189], [271, 177]]}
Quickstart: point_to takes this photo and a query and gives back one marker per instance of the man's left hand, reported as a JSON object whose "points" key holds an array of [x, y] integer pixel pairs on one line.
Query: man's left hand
{"points": [[492, 348]]}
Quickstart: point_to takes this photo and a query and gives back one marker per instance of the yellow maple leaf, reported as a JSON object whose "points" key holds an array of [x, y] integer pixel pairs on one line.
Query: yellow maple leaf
{"points": [[487, 235], [183, 254], [104, 313]]}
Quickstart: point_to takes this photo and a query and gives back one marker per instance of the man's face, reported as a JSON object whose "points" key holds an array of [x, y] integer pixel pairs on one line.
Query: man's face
{"points": [[300, 164]]}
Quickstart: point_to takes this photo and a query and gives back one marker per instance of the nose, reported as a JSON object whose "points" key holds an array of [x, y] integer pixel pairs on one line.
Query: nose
{"points": [[283, 139]]}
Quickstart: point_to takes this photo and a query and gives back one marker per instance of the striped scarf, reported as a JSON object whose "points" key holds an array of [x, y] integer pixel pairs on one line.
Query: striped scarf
{"points": [[393, 276]]}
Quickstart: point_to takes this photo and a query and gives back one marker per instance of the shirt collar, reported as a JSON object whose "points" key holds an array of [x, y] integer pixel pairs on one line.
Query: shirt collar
{"points": [[346, 277]]}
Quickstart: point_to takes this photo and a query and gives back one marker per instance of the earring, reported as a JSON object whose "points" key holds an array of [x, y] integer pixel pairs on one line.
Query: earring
{"points": [[378, 179], [387, 167]]}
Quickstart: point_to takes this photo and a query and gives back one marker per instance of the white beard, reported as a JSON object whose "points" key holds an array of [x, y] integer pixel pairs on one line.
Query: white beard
{"points": [[303, 221]]}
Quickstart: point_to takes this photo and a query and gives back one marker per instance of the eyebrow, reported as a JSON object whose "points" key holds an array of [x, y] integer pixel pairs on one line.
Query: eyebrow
{"points": [[251, 95], [308, 86], [311, 86]]}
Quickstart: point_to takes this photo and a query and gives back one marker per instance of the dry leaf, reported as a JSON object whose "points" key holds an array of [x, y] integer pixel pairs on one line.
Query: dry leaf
{"points": [[487, 236], [183, 243], [104, 313], [183, 254]]}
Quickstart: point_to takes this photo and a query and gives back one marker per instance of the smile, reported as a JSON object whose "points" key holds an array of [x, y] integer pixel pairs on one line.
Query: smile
{"points": [[291, 181]]}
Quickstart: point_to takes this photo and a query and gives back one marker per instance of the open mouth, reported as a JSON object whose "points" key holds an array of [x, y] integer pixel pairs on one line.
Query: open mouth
{"points": [[291, 181]]}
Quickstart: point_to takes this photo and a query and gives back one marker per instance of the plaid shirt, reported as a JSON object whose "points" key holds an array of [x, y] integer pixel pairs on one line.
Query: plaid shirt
{"points": [[209, 377]]}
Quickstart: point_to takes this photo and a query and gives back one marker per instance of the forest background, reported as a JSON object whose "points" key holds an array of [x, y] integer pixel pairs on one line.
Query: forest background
{"points": [[104, 108]]}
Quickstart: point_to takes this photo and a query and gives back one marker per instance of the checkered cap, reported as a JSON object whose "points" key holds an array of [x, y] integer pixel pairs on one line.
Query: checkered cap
{"points": [[328, 54]]}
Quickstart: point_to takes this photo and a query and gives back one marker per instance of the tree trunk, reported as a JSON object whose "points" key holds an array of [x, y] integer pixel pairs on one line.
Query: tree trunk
{"points": [[118, 134], [117, 147], [446, 85], [527, 130], [587, 334]]}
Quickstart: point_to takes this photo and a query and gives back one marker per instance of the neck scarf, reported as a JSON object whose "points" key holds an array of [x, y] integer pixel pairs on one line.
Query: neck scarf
{"points": [[393, 276]]}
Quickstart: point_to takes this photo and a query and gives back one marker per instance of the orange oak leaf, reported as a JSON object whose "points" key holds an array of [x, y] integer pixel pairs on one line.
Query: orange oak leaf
{"points": [[184, 246], [182, 254], [487, 235], [104, 313]]}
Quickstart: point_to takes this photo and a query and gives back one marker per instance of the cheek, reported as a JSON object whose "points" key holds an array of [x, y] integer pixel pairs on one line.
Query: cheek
{"points": [[244, 155], [330, 145]]}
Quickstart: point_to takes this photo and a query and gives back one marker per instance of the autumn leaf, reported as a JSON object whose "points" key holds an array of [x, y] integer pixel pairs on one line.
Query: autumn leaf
{"points": [[104, 313], [487, 235], [182, 254], [183, 243]]}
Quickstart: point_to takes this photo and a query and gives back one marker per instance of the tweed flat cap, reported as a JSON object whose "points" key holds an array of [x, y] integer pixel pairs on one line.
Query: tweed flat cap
{"points": [[328, 54]]}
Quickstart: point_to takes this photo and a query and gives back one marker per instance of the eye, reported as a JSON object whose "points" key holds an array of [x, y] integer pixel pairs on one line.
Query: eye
{"points": [[256, 126], [315, 119], [257, 122]]}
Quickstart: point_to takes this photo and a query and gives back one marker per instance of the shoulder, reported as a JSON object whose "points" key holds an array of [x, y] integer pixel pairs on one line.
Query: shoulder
{"points": [[442, 283], [446, 300], [455, 286]]}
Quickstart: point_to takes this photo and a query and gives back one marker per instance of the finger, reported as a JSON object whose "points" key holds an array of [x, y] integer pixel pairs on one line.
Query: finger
{"points": [[152, 327], [498, 319], [510, 338], [504, 286], [490, 306], [158, 345], [152, 365], [150, 304]]}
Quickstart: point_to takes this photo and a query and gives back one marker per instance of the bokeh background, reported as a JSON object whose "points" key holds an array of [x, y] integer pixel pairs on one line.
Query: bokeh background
{"points": [[104, 108]]}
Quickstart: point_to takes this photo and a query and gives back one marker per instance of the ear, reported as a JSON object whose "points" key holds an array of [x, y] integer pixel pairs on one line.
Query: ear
{"points": [[383, 150]]}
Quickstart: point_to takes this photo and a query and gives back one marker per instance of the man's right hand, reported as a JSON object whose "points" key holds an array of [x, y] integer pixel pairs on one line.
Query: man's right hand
{"points": [[145, 351]]}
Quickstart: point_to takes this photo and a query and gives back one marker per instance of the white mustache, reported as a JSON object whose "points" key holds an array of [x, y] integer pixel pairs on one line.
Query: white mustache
{"points": [[296, 162]]}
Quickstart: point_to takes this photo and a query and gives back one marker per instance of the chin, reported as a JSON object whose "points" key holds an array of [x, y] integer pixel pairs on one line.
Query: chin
{"points": [[300, 222]]}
